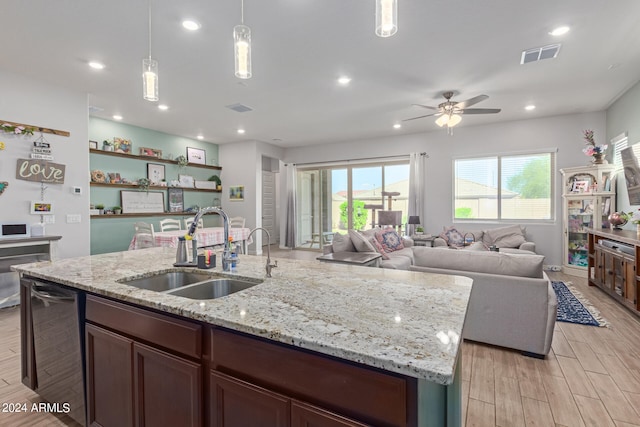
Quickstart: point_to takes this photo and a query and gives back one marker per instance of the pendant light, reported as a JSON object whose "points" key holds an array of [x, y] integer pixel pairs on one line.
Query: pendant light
{"points": [[150, 72], [242, 47], [386, 17]]}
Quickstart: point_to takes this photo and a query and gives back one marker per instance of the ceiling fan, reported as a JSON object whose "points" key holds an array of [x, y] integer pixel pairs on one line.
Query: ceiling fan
{"points": [[449, 111]]}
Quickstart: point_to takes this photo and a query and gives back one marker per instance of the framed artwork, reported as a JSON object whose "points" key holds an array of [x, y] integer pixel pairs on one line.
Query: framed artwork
{"points": [[196, 155], [121, 145], [155, 172], [93, 145], [176, 200], [142, 201], [151, 152], [41, 208], [580, 186], [114, 178], [186, 181], [236, 193]]}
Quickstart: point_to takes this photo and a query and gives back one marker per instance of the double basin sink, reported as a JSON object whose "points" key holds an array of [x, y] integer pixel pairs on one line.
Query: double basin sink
{"points": [[192, 285]]}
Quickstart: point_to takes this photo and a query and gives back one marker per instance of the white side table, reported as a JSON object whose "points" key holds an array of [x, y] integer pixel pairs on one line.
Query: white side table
{"points": [[423, 239]]}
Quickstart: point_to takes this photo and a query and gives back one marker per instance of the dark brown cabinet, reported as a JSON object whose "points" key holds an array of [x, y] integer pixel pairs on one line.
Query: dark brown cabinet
{"points": [[303, 415]]}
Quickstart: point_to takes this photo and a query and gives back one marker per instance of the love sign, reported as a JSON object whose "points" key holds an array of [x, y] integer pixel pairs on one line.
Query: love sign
{"points": [[40, 171]]}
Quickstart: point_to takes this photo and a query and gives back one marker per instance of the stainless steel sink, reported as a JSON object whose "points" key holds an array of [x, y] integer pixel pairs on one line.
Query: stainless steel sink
{"points": [[166, 281], [214, 288]]}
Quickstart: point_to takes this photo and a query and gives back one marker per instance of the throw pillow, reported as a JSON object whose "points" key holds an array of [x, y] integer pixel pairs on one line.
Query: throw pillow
{"points": [[452, 236], [389, 239], [477, 246], [342, 243], [360, 242], [505, 237], [379, 248]]}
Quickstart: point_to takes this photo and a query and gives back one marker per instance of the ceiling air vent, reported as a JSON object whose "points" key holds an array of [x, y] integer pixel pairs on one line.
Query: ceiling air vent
{"points": [[239, 108], [540, 53]]}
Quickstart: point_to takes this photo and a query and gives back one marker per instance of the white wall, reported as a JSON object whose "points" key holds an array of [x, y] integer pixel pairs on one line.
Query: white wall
{"points": [[36, 103], [561, 132]]}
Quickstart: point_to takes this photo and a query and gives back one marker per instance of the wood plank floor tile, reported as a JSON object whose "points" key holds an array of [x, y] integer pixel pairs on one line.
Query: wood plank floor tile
{"points": [[529, 379], [482, 380], [504, 363], [536, 413], [614, 400], [587, 357], [576, 378], [593, 412], [623, 424], [625, 379], [563, 406], [573, 332], [560, 344], [480, 414], [508, 405], [549, 365]]}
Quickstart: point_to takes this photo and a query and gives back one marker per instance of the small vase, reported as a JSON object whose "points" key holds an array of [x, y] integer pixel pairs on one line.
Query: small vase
{"points": [[598, 159]]}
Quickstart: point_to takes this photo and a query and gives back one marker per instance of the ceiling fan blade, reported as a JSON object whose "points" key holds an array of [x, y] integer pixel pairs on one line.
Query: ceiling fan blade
{"points": [[421, 117], [426, 106], [471, 101], [480, 111]]}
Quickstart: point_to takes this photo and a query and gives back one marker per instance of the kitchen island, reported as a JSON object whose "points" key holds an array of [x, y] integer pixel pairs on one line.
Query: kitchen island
{"points": [[343, 344]]}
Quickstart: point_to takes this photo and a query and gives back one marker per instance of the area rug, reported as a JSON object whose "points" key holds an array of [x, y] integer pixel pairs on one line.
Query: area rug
{"points": [[573, 307]]}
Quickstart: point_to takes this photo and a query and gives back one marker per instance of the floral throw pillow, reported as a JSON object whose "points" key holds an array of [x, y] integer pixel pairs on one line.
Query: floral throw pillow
{"points": [[379, 247], [452, 236], [389, 239]]}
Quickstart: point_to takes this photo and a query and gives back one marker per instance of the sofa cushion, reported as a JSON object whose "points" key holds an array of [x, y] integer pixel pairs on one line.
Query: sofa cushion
{"points": [[389, 239], [481, 262], [396, 262], [342, 243], [452, 236], [504, 237], [361, 242], [379, 248], [406, 252]]}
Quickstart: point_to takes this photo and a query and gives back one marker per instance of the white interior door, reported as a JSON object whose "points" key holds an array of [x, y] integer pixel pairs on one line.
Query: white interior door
{"points": [[269, 205]]}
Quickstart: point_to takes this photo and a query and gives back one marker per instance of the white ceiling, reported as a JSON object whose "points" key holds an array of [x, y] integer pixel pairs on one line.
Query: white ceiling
{"points": [[300, 48]]}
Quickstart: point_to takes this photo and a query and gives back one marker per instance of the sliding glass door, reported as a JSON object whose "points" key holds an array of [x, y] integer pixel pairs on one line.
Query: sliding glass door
{"points": [[338, 198]]}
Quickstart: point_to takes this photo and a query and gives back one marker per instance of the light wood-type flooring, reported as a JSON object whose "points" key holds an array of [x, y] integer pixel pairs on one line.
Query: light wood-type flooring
{"points": [[591, 378]]}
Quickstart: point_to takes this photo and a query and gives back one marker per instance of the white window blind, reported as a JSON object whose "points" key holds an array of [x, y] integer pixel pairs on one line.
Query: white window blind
{"points": [[619, 143]]}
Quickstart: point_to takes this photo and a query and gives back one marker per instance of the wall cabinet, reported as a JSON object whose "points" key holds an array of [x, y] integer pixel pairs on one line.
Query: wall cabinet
{"points": [[588, 197]]}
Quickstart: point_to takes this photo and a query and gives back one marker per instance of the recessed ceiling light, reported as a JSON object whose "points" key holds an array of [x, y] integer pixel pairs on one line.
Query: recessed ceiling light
{"points": [[344, 80], [190, 25], [240, 131], [530, 107], [163, 107], [96, 65], [559, 31], [397, 126], [200, 137], [117, 117]]}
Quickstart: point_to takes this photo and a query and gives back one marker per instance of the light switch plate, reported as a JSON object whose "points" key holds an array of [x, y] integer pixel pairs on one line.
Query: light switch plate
{"points": [[49, 219], [73, 218]]}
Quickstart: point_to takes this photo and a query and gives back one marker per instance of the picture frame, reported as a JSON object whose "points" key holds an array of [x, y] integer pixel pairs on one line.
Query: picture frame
{"points": [[176, 199], [236, 193], [186, 181], [155, 173], [41, 208], [580, 186], [93, 145], [142, 201], [114, 178], [197, 156], [150, 152], [121, 145]]}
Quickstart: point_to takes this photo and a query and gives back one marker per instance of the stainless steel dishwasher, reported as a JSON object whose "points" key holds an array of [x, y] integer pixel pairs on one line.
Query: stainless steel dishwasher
{"points": [[57, 318]]}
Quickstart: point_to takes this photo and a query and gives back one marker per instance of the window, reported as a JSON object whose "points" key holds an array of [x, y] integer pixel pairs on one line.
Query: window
{"points": [[619, 143], [511, 187]]}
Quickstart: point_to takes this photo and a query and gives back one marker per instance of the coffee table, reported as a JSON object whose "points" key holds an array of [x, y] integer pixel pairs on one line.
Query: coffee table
{"points": [[354, 258]]}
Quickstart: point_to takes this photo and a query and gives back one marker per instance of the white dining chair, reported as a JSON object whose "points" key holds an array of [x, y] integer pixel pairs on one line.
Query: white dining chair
{"points": [[188, 221], [169, 224], [144, 235], [237, 222]]}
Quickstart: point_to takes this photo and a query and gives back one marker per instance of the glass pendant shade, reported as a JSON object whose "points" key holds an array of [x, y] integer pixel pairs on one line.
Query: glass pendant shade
{"points": [[442, 120], [454, 120], [150, 79], [242, 47], [386, 17]]}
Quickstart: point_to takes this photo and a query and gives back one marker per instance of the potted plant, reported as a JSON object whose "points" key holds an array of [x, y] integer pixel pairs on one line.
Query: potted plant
{"points": [[100, 208], [217, 180], [419, 229], [182, 161], [143, 184], [107, 145], [117, 210]]}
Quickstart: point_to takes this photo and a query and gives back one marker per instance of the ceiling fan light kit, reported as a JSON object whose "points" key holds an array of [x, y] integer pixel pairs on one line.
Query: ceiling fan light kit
{"points": [[386, 17], [242, 47]]}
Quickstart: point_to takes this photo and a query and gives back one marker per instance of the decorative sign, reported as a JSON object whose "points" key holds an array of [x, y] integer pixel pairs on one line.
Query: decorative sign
{"points": [[40, 171], [142, 201]]}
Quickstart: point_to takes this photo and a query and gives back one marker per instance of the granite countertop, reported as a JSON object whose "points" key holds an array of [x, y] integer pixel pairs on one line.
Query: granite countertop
{"points": [[400, 321]]}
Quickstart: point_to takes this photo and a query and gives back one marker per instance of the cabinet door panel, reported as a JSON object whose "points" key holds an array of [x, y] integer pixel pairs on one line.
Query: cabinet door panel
{"points": [[304, 415], [237, 403], [168, 389], [109, 378]]}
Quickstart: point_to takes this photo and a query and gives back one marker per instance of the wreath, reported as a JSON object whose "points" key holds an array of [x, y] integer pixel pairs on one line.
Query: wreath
{"points": [[97, 176]]}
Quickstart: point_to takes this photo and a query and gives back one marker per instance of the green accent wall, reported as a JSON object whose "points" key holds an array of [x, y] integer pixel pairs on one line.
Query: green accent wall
{"points": [[114, 234]]}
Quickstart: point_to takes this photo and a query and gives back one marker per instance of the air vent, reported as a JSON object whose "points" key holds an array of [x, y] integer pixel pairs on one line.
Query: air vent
{"points": [[540, 53], [239, 108]]}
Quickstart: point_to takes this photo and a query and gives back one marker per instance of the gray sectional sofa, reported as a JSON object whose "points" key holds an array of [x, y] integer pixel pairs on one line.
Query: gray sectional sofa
{"points": [[512, 302]]}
